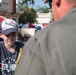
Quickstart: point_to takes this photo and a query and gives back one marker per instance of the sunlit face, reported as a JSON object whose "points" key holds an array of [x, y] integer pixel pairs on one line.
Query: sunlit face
{"points": [[10, 38]]}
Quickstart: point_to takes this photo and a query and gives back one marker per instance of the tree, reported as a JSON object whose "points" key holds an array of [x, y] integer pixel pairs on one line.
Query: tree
{"points": [[43, 9], [26, 3], [29, 15]]}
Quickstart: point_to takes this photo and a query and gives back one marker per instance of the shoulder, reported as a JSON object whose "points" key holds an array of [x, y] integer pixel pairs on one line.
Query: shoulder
{"points": [[19, 44], [1, 43], [46, 34]]}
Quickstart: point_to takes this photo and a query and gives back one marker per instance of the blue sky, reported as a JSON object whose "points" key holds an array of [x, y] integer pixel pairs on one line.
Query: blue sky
{"points": [[40, 3]]}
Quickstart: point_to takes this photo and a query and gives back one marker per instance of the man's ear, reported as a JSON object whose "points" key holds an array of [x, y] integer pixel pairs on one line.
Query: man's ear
{"points": [[58, 2]]}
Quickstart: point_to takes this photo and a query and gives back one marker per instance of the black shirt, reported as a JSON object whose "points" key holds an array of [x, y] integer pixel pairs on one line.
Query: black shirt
{"points": [[8, 59]]}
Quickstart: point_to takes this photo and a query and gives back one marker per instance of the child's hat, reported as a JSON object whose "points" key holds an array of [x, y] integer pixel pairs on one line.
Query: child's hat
{"points": [[8, 26]]}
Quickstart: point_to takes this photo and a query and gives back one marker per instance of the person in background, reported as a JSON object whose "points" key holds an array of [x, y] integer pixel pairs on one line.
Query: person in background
{"points": [[38, 28], [10, 50], [52, 50], [20, 37]]}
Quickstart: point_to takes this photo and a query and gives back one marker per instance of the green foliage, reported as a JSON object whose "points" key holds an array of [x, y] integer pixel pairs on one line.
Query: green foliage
{"points": [[27, 3], [43, 9], [29, 15]]}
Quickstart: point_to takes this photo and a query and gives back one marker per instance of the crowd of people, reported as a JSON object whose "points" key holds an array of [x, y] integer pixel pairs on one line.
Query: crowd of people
{"points": [[23, 38]]}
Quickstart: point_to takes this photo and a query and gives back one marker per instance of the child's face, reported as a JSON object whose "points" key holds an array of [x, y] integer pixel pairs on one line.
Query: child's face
{"points": [[10, 38]]}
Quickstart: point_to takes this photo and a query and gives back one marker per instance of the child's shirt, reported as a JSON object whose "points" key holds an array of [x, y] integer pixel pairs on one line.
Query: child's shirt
{"points": [[8, 60]]}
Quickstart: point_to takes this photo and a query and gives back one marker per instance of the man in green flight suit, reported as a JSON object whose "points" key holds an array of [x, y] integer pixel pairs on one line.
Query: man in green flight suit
{"points": [[52, 50]]}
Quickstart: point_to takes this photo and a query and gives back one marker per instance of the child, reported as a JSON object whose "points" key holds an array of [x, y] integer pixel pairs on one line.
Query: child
{"points": [[10, 50]]}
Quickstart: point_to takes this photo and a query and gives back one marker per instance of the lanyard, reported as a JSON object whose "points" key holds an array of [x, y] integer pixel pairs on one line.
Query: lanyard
{"points": [[19, 55]]}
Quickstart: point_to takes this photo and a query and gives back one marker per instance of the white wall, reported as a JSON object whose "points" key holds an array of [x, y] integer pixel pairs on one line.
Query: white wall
{"points": [[44, 17]]}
